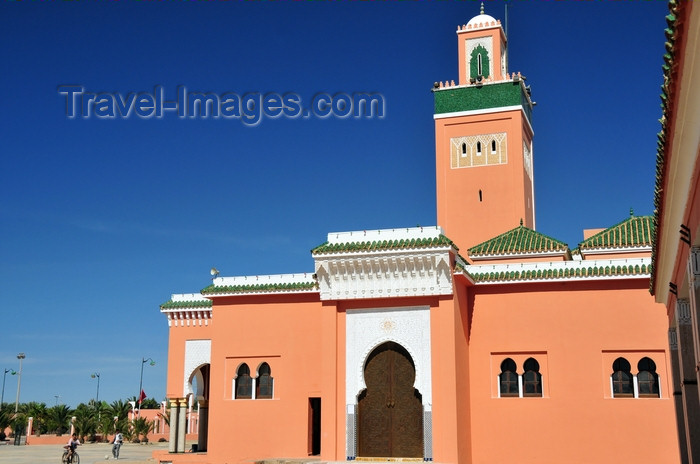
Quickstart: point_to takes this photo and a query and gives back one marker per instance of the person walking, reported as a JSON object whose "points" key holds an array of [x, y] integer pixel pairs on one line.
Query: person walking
{"points": [[118, 440]]}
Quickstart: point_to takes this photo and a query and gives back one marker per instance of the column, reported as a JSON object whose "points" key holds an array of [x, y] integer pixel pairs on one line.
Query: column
{"points": [[174, 420], [694, 299], [689, 383], [677, 394], [30, 426], [182, 424], [203, 428]]}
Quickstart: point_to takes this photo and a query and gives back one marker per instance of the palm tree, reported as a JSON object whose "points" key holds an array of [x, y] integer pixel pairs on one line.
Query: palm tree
{"points": [[85, 421], [142, 427], [59, 417], [38, 412]]}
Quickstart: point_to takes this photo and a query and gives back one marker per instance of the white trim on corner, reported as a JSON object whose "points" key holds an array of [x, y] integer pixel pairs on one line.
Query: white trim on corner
{"points": [[611, 250]]}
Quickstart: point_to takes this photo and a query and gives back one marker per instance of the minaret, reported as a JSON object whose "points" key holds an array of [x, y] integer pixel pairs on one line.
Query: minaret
{"points": [[483, 140]]}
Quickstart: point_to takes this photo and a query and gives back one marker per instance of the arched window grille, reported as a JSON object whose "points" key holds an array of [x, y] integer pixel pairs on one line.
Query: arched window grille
{"points": [[622, 383], [532, 379], [647, 379], [508, 378], [263, 387], [244, 384]]}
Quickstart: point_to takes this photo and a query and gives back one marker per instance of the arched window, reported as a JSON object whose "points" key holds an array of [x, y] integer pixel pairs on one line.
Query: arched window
{"points": [[622, 386], [532, 379], [244, 384], [478, 148], [263, 387], [509, 378], [493, 146], [464, 149], [479, 65], [647, 379]]}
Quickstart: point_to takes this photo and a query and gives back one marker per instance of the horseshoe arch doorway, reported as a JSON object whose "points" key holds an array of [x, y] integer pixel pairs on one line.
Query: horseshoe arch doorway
{"points": [[390, 410]]}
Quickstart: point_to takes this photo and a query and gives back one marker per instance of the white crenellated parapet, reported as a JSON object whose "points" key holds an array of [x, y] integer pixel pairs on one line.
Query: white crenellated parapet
{"points": [[351, 272]]}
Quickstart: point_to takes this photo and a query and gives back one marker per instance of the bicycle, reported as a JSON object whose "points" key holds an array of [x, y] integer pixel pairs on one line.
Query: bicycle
{"points": [[65, 459]]}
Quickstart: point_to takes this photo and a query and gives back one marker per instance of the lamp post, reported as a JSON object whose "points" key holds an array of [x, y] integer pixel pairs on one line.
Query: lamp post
{"points": [[2, 397], [143, 361], [20, 356], [97, 375]]}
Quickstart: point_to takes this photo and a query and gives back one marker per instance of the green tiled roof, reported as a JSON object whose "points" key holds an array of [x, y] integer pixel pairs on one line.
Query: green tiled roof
{"points": [[258, 288], [381, 245], [170, 304], [457, 99], [544, 274], [673, 34], [634, 231], [518, 241]]}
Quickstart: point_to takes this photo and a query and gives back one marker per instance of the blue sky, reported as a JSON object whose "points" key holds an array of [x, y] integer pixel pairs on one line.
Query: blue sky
{"points": [[102, 219]]}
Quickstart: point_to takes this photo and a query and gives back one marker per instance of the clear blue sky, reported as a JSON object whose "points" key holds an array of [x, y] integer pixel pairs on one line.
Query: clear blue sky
{"points": [[101, 220]]}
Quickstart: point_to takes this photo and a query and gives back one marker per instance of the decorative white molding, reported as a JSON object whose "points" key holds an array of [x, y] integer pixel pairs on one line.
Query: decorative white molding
{"points": [[397, 272], [271, 279], [617, 250], [197, 353], [683, 312], [366, 329], [385, 274]]}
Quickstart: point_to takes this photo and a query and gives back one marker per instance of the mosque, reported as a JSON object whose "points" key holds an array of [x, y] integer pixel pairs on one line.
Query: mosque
{"points": [[479, 340]]}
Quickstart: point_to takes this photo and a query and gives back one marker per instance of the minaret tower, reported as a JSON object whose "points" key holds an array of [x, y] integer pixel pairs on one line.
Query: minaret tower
{"points": [[483, 140]]}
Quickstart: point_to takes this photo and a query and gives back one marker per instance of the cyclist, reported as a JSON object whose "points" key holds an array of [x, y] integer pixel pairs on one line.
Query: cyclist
{"points": [[72, 444]]}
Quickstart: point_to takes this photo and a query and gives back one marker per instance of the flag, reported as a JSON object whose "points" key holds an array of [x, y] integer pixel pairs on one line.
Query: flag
{"points": [[142, 397]]}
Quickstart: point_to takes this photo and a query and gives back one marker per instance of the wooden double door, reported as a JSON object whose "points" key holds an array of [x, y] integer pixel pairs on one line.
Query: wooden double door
{"points": [[390, 410]]}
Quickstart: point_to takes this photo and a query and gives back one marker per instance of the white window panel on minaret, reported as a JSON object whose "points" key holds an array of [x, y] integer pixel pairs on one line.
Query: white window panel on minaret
{"points": [[527, 157], [477, 150]]}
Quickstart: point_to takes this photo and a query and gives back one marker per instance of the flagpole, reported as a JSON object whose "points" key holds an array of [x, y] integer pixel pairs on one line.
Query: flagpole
{"points": [[140, 397]]}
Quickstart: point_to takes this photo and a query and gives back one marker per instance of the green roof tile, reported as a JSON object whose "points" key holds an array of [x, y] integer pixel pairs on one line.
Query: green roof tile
{"points": [[545, 274], [518, 241], [382, 245], [170, 304], [258, 288], [634, 231]]}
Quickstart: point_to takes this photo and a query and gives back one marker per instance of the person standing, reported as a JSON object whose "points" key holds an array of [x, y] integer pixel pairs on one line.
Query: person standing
{"points": [[118, 440]]}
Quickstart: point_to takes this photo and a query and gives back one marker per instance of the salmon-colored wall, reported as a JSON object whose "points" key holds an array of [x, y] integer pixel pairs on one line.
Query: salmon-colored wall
{"points": [[178, 335], [287, 332], [506, 191], [574, 330]]}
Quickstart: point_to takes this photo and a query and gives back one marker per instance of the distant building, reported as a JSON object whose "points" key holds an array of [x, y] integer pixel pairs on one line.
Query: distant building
{"points": [[676, 264], [480, 340]]}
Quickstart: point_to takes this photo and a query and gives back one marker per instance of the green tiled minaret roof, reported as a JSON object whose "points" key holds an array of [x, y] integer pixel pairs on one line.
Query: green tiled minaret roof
{"points": [[195, 304], [520, 240], [383, 245], [635, 231], [480, 97]]}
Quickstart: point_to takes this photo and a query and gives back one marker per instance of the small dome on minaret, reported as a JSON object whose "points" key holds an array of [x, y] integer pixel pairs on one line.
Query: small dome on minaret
{"points": [[481, 18]]}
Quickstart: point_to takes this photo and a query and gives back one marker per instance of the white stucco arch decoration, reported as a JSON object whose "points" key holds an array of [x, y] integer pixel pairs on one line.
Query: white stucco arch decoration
{"points": [[366, 329], [485, 42], [197, 352]]}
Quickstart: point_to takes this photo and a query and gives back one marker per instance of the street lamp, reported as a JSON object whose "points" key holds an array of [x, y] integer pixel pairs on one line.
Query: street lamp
{"points": [[97, 397], [143, 361], [2, 397], [20, 356]]}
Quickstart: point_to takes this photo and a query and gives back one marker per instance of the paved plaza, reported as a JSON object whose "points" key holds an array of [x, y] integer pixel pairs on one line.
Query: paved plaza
{"points": [[90, 453]]}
